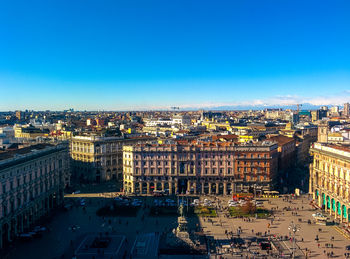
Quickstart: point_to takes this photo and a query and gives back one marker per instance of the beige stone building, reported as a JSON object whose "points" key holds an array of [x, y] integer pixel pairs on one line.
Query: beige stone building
{"points": [[207, 168], [32, 181], [330, 179], [99, 159]]}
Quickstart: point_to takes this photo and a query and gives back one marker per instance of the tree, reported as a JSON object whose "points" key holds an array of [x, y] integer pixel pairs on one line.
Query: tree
{"points": [[248, 208]]}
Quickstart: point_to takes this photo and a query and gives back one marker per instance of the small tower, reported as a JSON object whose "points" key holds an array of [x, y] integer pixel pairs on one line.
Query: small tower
{"points": [[322, 134]]}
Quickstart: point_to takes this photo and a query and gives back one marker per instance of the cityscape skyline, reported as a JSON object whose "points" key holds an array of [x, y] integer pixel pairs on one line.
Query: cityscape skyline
{"points": [[174, 129], [127, 56]]}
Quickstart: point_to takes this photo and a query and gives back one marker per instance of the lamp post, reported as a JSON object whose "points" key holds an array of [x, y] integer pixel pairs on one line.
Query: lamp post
{"points": [[294, 228]]}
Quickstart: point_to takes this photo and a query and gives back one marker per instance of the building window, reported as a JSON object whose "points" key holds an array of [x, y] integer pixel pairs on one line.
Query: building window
{"points": [[182, 168]]}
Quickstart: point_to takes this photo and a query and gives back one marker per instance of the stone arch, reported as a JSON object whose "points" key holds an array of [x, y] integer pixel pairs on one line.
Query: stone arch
{"points": [[144, 187], [229, 188], [328, 202], [166, 185], [213, 188], [220, 186], [345, 212], [151, 186], [159, 185], [333, 205], [108, 174], [206, 187], [338, 205], [324, 201]]}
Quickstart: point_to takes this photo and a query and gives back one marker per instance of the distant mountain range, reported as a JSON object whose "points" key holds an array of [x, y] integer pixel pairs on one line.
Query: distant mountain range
{"points": [[304, 106]]}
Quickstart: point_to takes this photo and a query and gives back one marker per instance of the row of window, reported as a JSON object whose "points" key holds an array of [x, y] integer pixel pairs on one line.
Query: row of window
{"points": [[27, 177], [193, 156], [206, 171]]}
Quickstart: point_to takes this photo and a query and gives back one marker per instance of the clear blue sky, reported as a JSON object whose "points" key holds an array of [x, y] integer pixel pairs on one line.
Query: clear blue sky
{"points": [[135, 54]]}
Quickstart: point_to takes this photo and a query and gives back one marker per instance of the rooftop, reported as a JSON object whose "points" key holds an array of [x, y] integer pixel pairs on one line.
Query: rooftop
{"points": [[22, 151]]}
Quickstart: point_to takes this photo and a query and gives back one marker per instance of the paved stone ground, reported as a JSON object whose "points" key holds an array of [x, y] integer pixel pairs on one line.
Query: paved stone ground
{"points": [[305, 237], [61, 240]]}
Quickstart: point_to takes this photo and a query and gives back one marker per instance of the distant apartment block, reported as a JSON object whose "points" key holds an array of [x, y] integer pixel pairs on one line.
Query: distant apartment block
{"points": [[206, 168], [32, 181], [175, 120], [346, 110]]}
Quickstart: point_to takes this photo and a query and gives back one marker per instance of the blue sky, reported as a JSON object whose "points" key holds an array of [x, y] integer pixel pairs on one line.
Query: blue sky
{"points": [[119, 55]]}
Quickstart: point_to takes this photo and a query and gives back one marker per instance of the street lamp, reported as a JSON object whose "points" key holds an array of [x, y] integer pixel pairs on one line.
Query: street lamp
{"points": [[294, 228]]}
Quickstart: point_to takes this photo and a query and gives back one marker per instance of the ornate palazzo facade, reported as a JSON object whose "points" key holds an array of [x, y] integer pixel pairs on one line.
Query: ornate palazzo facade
{"points": [[216, 168], [330, 179], [32, 181]]}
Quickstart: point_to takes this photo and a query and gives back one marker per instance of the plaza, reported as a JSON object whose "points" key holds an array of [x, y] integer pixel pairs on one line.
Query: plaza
{"points": [[67, 230]]}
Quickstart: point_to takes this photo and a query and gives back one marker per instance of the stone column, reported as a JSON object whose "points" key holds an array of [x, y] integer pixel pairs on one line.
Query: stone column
{"points": [[341, 213], [217, 188], [140, 187], [225, 188], [195, 188], [202, 183], [170, 187], [155, 186], [188, 186], [176, 190], [209, 184], [163, 186], [319, 200], [133, 185], [147, 187]]}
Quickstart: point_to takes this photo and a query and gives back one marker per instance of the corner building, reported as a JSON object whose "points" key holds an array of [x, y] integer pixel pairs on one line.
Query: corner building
{"points": [[32, 181], [207, 168], [330, 179]]}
